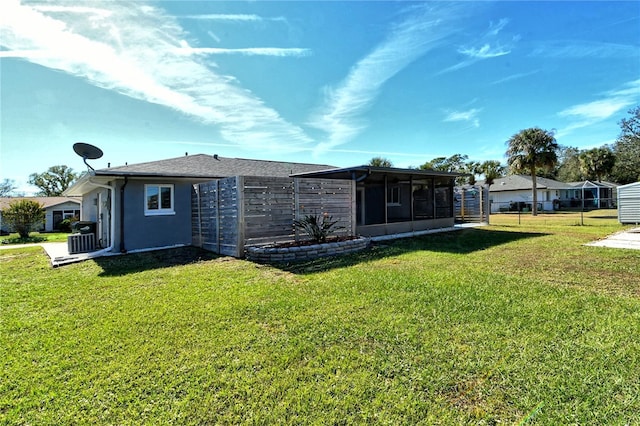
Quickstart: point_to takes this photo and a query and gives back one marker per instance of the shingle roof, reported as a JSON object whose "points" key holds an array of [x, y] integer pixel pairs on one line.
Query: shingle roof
{"points": [[45, 201], [592, 183], [209, 166], [520, 182]]}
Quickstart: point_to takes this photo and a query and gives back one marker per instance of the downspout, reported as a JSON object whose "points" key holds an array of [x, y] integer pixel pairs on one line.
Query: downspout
{"points": [[112, 217], [122, 248], [360, 178]]}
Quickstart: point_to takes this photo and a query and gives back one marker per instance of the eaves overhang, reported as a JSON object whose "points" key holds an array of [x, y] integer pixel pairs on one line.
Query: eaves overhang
{"points": [[361, 172]]}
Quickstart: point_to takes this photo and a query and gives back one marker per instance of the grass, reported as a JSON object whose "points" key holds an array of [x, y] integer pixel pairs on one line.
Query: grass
{"points": [[507, 324], [35, 237]]}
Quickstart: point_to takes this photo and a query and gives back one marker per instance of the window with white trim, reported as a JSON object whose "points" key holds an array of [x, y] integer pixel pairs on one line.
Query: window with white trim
{"points": [[158, 199], [393, 196]]}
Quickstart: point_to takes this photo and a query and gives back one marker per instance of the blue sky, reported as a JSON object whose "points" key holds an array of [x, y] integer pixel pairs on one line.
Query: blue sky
{"points": [[329, 82]]}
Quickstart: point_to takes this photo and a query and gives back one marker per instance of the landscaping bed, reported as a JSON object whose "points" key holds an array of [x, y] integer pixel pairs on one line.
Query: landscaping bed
{"points": [[305, 250]]}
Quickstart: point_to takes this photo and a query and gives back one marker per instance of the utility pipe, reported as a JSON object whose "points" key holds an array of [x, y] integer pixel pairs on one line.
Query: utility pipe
{"points": [[112, 216]]}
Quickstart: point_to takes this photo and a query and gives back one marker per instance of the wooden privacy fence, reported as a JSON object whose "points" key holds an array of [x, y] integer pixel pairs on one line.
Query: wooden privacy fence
{"points": [[471, 204], [229, 214]]}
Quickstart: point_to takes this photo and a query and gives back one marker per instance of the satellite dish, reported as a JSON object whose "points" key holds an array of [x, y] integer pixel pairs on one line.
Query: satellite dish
{"points": [[87, 152]]}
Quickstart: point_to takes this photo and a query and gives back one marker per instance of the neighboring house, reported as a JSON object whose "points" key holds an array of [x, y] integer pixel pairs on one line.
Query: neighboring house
{"points": [[56, 210], [514, 192], [181, 201], [629, 203], [597, 194]]}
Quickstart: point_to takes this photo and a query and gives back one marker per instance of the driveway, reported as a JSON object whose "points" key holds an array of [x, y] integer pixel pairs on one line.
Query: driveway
{"points": [[626, 239]]}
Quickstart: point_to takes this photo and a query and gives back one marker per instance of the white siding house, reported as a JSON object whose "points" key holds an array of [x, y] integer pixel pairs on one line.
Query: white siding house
{"points": [[514, 192], [56, 210]]}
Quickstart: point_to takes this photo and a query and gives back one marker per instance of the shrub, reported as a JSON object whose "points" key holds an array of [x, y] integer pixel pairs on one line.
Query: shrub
{"points": [[318, 227], [23, 216], [65, 224]]}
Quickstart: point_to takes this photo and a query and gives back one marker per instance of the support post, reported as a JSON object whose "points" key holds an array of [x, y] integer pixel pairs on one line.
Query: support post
{"points": [[241, 221]]}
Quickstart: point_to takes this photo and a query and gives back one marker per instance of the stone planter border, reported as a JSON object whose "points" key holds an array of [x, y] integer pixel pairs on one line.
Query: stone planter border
{"points": [[266, 254]]}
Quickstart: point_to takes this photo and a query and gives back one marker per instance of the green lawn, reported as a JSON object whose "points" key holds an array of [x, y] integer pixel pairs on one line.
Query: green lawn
{"points": [[35, 237], [506, 324]]}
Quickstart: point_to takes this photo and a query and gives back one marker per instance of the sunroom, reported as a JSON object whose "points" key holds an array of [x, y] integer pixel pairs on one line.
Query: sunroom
{"points": [[396, 201]]}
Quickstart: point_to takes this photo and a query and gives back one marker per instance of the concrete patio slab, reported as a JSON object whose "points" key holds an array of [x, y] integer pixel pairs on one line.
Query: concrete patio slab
{"points": [[629, 239]]}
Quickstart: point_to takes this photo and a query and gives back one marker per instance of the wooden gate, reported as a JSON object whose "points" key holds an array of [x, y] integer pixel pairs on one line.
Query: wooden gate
{"points": [[471, 204]]}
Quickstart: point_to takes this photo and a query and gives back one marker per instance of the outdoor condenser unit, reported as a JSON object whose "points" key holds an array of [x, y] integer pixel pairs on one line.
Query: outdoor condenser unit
{"points": [[81, 243]]}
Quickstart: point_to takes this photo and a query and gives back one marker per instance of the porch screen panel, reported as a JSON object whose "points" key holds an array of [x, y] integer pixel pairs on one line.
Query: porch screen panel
{"points": [[423, 199], [374, 200], [443, 197]]}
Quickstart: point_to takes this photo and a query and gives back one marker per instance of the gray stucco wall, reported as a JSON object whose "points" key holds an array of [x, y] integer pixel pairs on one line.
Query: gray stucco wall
{"points": [[143, 231]]}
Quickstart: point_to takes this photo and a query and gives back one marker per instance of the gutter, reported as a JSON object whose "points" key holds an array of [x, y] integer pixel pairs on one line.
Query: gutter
{"points": [[355, 178]]}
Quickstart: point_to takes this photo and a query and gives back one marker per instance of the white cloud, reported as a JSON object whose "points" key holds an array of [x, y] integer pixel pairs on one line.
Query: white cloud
{"points": [[233, 17], [584, 49], [489, 46], [484, 52], [250, 51], [224, 17], [214, 36], [596, 110], [139, 59], [514, 77], [470, 116], [494, 29], [589, 113], [96, 12], [340, 115]]}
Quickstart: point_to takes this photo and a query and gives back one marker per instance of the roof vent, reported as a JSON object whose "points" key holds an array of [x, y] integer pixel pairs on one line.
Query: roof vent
{"points": [[215, 156]]}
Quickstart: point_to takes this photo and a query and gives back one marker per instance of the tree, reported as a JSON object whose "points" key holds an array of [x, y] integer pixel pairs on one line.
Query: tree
{"points": [[454, 164], [491, 170], [380, 162], [54, 181], [597, 162], [529, 150], [568, 169], [7, 186], [627, 149], [23, 216], [473, 169]]}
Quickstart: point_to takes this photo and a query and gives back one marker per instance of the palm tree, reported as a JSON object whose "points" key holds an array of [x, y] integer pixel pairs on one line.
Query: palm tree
{"points": [[473, 169], [491, 170], [529, 150], [597, 162], [380, 162]]}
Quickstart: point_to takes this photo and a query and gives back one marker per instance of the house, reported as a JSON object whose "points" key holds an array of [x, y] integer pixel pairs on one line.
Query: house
{"points": [[597, 194], [223, 204], [514, 193], [629, 203], [56, 210], [148, 205]]}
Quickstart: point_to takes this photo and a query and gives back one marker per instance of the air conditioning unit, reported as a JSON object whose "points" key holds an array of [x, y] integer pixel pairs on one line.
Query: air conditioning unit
{"points": [[81, 243]]}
